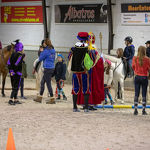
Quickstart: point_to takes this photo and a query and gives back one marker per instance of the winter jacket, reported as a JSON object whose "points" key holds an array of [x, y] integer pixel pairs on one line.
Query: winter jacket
{"points": [[48, 58], [129, 52], [108, 77], [148, 52], [15, 63], [60, 71]]}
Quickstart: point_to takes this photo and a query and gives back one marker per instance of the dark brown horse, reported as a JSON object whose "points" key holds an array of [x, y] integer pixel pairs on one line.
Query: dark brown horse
{"points": [[5, 54]]}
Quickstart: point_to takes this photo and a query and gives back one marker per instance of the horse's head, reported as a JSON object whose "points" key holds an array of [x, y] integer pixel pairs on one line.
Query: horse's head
{"points": [[9, 49]]}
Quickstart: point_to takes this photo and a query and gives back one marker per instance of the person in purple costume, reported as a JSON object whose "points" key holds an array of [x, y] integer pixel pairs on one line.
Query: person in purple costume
{"points": [[15, 69]]}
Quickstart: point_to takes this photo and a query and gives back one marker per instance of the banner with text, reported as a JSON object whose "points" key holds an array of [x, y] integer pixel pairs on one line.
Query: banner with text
{"points": [[21, 14], [87, 13], [135, 13]]}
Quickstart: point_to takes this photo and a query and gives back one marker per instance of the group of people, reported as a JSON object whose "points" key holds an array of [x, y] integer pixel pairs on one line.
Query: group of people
{"points": [[139, 66], [92, 74], [17, 70]]}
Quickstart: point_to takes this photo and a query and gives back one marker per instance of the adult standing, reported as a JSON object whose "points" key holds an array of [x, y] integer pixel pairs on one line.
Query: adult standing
{"points": [[47, 55], [96, 75], [128, 54], [81, 78], [15, 70], [141, 67]]}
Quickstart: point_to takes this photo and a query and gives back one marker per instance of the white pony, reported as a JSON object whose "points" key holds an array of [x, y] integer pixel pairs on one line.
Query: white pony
{"points": [[38, 75], [118, 74]]}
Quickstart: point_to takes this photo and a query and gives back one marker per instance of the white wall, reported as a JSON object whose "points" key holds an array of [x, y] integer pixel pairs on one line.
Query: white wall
{"points": [[30, 34], [63, 36], [140, 34]]}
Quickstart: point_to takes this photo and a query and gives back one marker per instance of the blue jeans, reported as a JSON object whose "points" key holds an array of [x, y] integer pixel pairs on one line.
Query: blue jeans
{"points": [[140, 81], [107, 93], [47, 79]]}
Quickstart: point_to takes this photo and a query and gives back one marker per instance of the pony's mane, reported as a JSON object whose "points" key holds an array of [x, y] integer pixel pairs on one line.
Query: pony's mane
{"points": [[9, 47], [112, 58]]}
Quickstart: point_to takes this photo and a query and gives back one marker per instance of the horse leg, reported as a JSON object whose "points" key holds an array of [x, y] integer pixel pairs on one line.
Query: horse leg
{"points": [[116, 89], [3, 83], [122, 90]]}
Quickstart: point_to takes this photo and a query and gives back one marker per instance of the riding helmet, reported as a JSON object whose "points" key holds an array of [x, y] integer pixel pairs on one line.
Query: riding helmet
{"points": [[129, 39]]}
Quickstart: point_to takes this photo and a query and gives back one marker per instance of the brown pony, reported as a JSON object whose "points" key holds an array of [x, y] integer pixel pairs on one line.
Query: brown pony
{"points": [[5, 54]]}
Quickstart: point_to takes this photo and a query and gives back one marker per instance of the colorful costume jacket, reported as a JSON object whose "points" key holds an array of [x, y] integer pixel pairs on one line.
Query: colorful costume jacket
{"points": [[81, 80], [97, 81]]}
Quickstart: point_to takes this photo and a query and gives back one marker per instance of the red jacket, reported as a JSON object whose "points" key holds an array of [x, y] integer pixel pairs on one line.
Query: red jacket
{"points": [[141, 70]]}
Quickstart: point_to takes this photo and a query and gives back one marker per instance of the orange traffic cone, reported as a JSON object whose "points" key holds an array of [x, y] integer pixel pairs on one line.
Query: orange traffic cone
{"points": [[10, 141]]}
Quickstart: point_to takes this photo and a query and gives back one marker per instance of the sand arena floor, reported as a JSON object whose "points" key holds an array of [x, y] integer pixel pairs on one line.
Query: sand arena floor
{"points": [[56, 127]]}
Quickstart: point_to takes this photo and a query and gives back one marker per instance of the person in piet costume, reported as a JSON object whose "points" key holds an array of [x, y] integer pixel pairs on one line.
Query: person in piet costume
{"points": [[15, 69], [97, 76], [81, 77]]}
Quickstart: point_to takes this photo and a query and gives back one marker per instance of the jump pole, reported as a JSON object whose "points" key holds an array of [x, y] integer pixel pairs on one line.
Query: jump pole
{"points": [[120, 106]]}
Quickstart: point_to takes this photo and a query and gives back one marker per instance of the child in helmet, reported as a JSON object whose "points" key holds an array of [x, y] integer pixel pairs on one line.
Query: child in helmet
{"points": [[108, 77], [60, 72], [128, 54], [15, 70]]}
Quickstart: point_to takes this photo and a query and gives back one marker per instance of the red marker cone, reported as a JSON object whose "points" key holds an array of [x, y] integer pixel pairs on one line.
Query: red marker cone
{"points": [[10, 141]]}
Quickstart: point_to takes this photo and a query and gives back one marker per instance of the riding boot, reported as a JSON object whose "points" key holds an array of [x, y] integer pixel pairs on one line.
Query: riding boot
{"points": [[75, 97], [144, 106], [38, 99], [64, 97], [51, 101]]}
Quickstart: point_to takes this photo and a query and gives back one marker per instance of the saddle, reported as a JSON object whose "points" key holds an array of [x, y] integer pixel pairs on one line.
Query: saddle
{"points": [[128, 71]]}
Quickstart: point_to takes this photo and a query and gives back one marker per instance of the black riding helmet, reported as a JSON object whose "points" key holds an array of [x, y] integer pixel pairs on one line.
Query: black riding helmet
{"points": [[129, 39], [148, 42]]}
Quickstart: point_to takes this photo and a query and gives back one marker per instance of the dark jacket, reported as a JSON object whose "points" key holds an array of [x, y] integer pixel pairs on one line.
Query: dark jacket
{"points": [[78, 54], [15, 63], [129, 52], [48, 58], [24, 70], [60, 71], [148, 51]]}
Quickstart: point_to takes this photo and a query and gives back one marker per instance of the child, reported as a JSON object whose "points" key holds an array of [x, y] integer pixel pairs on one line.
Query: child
{"points": [[128, 54], [15, 70], [141, 67], [60, 71], [108, 77], [24, 75]]}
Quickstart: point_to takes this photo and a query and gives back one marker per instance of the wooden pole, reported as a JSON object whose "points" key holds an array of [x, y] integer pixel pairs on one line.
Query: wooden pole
{"points": [[110, 26], [100, 37], [46, 34]]}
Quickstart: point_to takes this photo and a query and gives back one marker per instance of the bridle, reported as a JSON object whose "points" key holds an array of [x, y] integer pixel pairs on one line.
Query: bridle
{"points": [[117, 66], [2, 54]]}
